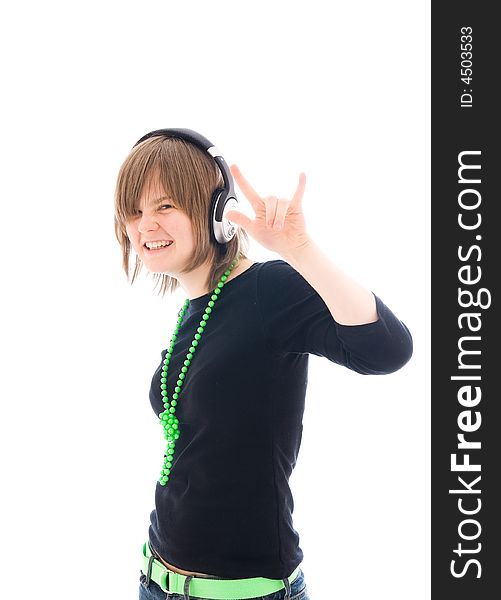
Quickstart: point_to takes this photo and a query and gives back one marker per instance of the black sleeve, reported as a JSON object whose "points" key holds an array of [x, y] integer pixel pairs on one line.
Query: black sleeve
{"points": [[296, 319]]}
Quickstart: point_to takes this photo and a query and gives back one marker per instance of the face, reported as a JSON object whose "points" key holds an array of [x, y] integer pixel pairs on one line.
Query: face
{"points": [[159, 218]]}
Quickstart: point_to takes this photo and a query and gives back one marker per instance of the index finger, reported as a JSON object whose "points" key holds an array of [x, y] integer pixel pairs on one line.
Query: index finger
{"points": [[245, 186], [298, 195]]}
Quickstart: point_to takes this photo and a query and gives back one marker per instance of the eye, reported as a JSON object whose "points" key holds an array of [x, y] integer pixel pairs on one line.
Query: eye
{"points": [[167, 206]]}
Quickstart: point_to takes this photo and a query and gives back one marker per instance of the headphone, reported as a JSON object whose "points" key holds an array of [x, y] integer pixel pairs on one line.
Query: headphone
{"points": [[223, 199]]}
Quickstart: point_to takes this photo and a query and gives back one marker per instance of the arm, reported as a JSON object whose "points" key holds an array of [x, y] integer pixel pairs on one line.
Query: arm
{"points": [[349, 303], [346, 322]]}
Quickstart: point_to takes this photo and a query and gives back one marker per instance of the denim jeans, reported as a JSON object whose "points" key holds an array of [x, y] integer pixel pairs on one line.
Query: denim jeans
{"points": [[298, 591]]}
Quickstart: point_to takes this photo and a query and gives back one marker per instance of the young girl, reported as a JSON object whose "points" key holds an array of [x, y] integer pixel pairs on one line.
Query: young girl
{"points": [[230, 387]]}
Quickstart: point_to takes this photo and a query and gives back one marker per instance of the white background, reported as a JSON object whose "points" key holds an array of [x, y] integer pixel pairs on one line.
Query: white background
{"points": [[337, 90]]}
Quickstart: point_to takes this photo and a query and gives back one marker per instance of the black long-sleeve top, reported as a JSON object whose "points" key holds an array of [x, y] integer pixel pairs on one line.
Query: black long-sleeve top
{"points": [[227, 507]]}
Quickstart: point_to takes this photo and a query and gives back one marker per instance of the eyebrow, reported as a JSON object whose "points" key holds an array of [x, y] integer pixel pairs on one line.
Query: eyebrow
{"points": [[159, 200]]}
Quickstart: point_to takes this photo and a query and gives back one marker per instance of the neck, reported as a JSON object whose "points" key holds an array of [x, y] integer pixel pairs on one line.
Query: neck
{"points": [[194, 283]]}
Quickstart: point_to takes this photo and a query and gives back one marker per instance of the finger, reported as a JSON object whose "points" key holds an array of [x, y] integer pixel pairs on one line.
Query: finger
{"points": [[271, 209], [298, 194], [281, 211], [240, 220], [250, 193]]}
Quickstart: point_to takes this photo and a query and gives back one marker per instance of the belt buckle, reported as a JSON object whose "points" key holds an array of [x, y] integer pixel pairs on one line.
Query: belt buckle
{"points": [[164, 578]]}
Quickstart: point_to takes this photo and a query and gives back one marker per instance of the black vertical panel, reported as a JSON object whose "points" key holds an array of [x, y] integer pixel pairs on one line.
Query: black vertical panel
{"points": [[465, 118]]}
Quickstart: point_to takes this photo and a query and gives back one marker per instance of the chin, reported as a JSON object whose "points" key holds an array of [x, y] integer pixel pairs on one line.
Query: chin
{"points": [[158, 270]]}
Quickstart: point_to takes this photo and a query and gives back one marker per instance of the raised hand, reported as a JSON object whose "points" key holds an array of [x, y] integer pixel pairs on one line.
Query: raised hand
{"points": [[279, 223]]}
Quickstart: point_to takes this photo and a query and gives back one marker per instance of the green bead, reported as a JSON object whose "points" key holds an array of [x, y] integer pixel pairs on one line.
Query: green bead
{"points": [[208, 310], [187, 363], [163, 386], [183, 370], [220, 284], [205, 317], [217, 291], [174, 403], [225, 276], [172, 409]]}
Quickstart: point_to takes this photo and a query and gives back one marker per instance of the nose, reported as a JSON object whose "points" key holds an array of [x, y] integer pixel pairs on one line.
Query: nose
{"points": [[147, 223]]}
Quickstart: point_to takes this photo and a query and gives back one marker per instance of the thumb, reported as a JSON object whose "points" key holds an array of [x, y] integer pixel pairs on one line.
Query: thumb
{"points": [[239, 219]]}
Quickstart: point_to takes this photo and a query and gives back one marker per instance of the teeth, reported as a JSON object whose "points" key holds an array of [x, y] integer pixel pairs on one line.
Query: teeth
{"points": [[153, 245]]}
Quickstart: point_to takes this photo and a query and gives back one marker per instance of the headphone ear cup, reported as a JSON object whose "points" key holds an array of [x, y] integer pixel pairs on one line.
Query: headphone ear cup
{"points": [[214, 209], [220, 229], [212, 214]]}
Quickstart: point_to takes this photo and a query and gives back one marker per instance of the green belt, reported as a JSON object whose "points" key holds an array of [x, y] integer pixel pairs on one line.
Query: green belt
{"points": [[219, 589]]}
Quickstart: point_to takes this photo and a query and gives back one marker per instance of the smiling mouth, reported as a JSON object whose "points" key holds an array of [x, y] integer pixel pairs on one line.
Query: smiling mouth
{"points": [[153, 250]]}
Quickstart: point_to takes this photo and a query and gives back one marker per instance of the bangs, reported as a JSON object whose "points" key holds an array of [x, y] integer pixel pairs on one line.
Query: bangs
{"points": [[168, 167], [148, 169]]}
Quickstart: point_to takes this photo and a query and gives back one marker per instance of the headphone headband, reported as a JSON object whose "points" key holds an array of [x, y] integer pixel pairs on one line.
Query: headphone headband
{"points": [[184, 134]]}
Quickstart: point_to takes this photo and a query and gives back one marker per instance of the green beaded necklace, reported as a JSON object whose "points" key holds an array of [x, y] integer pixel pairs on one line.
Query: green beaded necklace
{"points": [[168, 420]]}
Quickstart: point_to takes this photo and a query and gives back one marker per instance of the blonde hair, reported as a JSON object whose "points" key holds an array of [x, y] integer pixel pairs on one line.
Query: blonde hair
{"points": [[189, 176]]}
